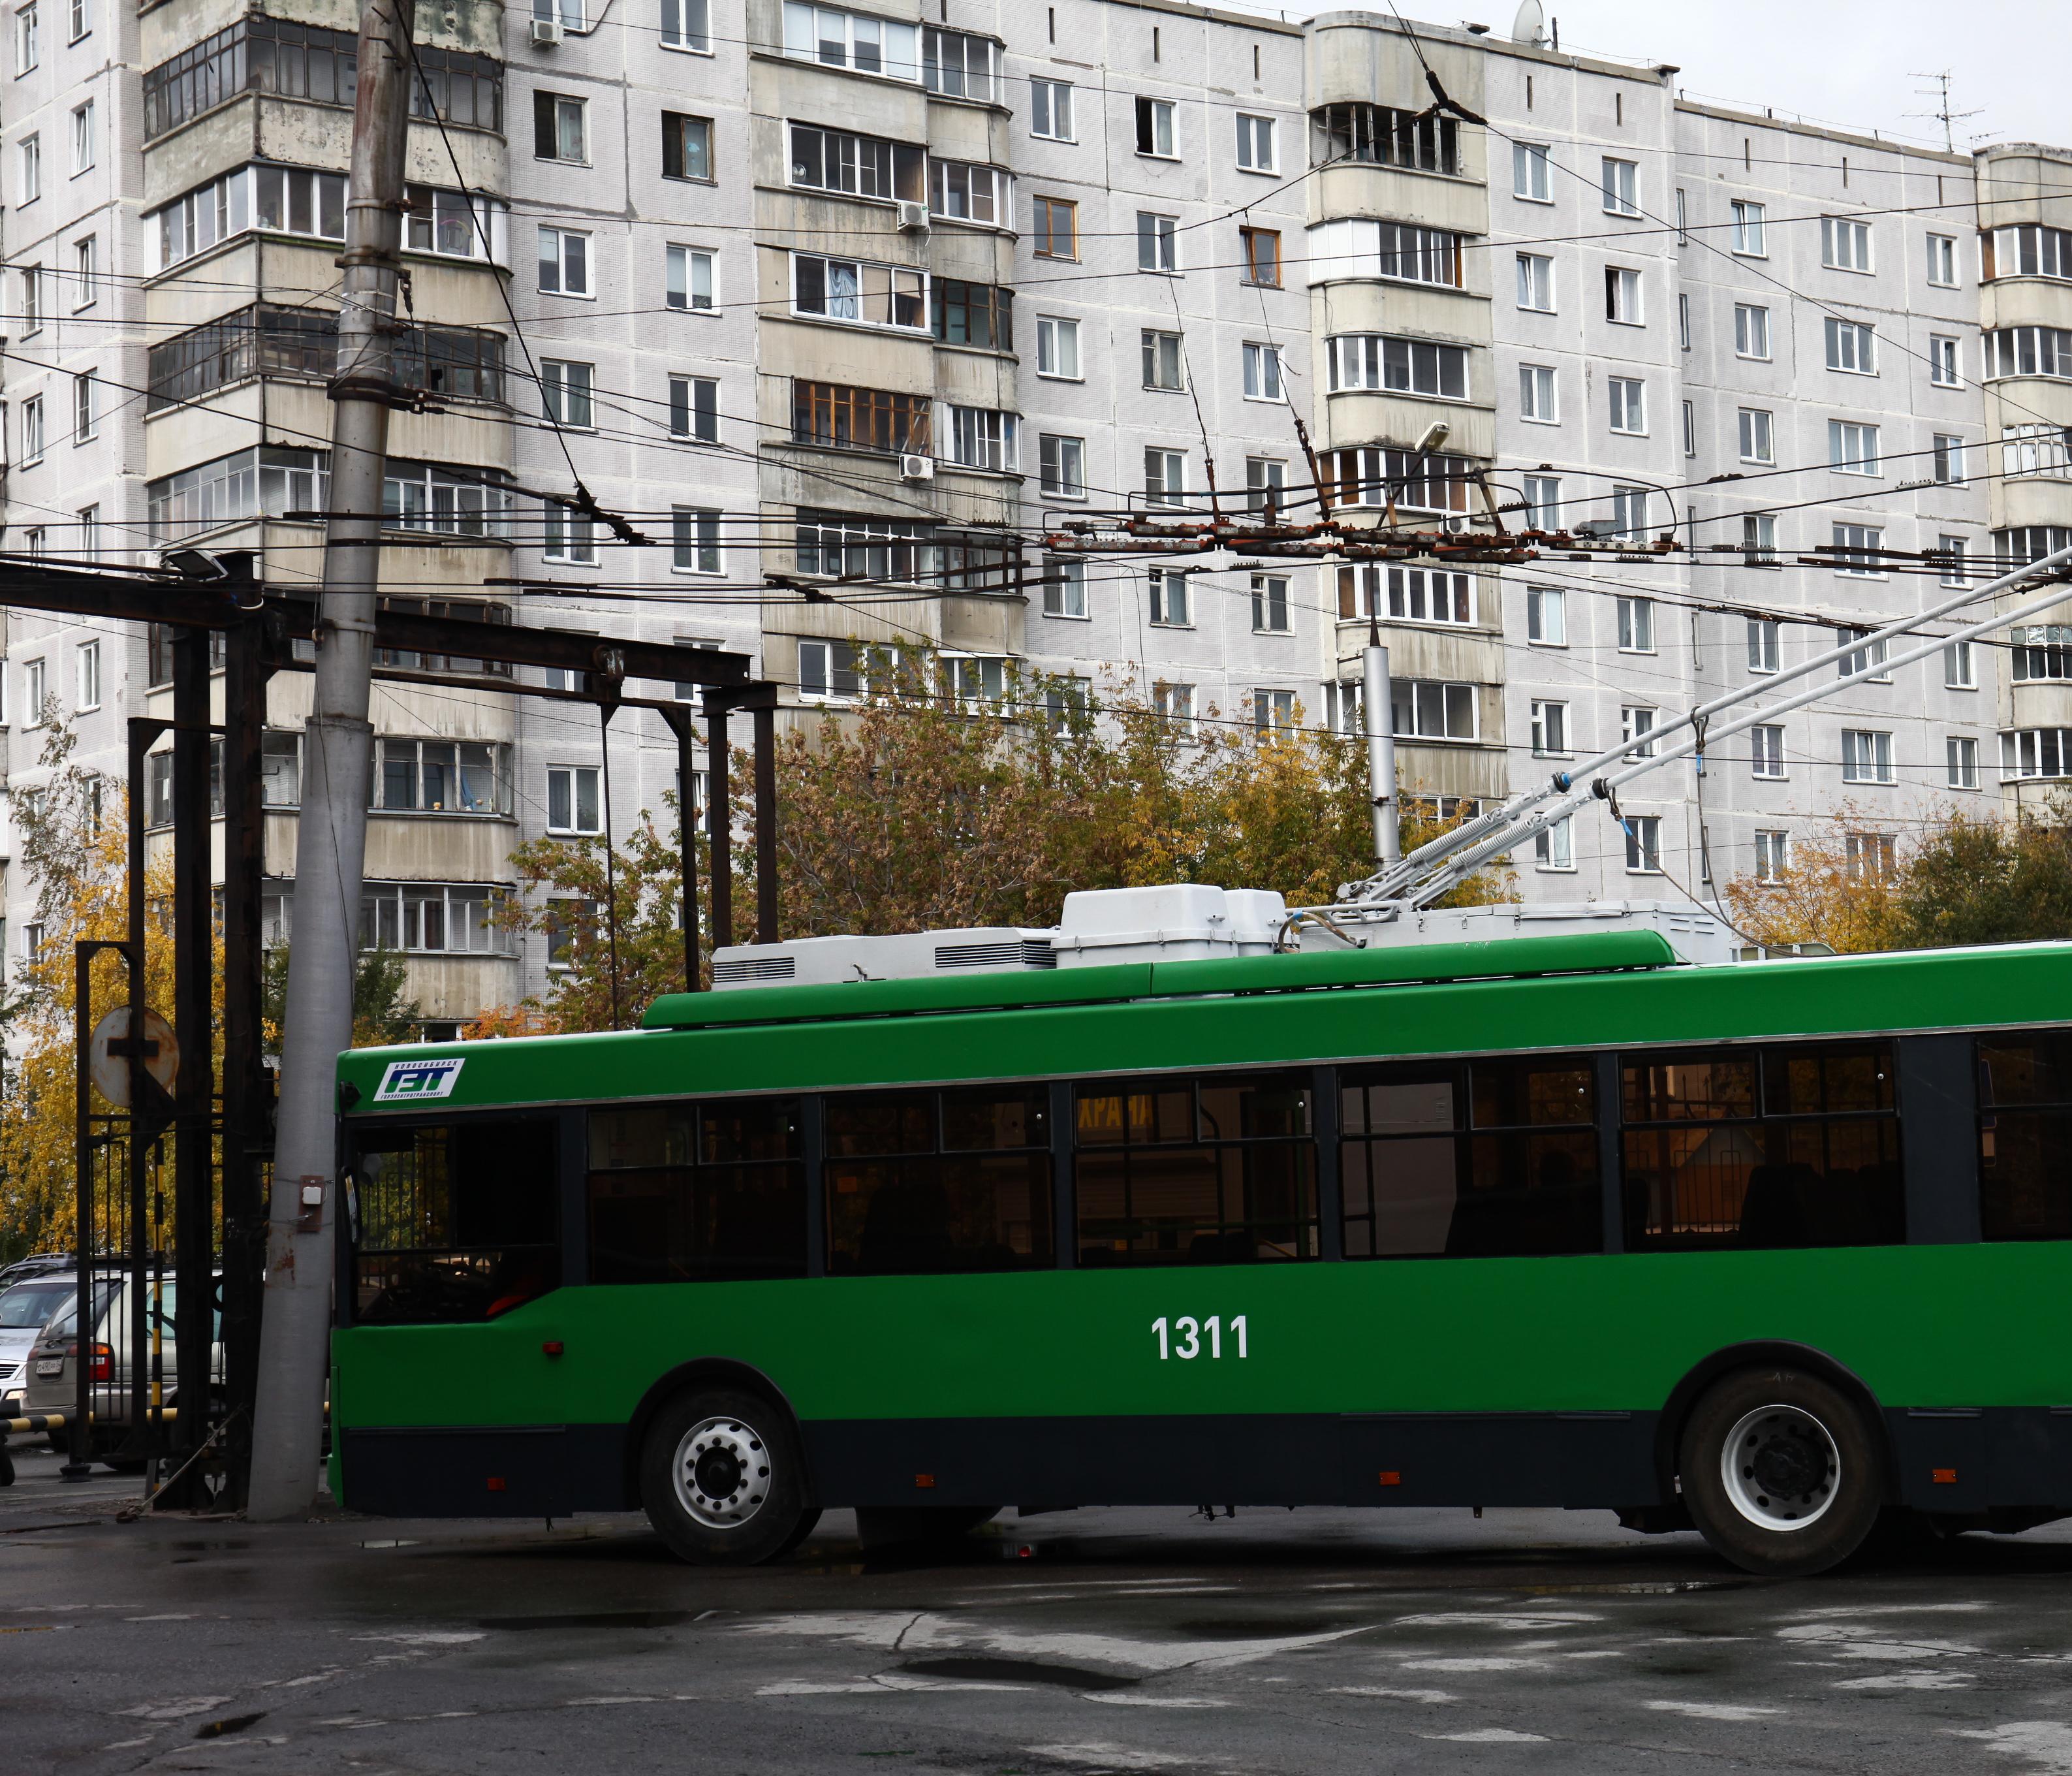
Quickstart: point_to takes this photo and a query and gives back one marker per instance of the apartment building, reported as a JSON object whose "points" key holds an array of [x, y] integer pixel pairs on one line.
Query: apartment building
{"points": [[815, 293]]}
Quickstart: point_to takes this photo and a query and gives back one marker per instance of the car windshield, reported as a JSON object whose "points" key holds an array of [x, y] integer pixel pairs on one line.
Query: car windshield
{"points": [[68, 1327], [27, 1305]]}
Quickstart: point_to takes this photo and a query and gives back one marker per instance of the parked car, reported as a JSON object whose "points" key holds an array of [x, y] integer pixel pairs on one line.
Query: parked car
{"points": [[26, 1307], [52, 1369]]}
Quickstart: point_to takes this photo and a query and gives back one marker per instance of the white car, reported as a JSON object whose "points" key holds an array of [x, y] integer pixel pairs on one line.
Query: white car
{"points": [[24, 1307]]}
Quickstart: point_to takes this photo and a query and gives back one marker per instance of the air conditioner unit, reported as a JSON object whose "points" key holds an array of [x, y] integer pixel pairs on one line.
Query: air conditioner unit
{"points": [[913, 217], [546, 33], [917, 468]]}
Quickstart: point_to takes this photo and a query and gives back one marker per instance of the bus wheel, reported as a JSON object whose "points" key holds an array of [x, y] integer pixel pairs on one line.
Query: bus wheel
{"points": [[722, 1479], [1781, 1473]]}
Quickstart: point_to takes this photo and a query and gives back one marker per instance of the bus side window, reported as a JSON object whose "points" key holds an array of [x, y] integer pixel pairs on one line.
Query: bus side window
{"points": [[1734, 1148], [697, 1192], [1218, 1171], [923, 1182], [454, 1222], [2026, 1136], [1470, 1160]]}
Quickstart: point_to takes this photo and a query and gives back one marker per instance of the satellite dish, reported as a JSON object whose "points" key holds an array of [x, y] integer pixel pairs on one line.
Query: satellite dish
{"points": [[111, 1072], [1530, 26]]}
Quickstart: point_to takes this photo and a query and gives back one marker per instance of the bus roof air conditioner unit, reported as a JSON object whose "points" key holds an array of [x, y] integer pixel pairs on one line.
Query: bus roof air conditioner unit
{"points": [[917, 468]]}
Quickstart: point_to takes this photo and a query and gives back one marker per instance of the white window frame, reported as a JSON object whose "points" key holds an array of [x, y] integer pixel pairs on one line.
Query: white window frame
{"points": [[1636, 625], [566, 252], [1851, 347], [84, 138], [1746, 234], [1541, 603], [1168, 603], [1549, 728], [1157, 245], [1772, 853], [29, 169], [1845, 245], [1620, 281], [1960, 760], [682, 266], [1628, 396], [1765, 639], [570, 779], [1529, 180], [1165, 131], [1758, 434], [1554, 846], [1867, 756], [1619, 186], [1065, 588], [1751, 320], [1535, 278], [1766, 759], [679, 32], [1943, 259], [1759, 539], [696, 529], [1054, 332], [1269, 605], [1254, 129], [1849, 539], [1536, 380], [1045, 108], [1262, 372], [1643, 844], [86, 662], [1637, 723], [1944, 371], [1056, 450], [1946, 464], [1852, 448]]}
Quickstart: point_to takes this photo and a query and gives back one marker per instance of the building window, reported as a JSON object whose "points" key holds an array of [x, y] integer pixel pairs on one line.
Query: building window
{"points": [[1165, 476], [1272, 714], [1384, 137], [566, 536], [1262, 372], [89, 549], [835, 160], [1554, 846], [454, 225], [1255, 143], [1868, 855], [1550, 729], [1537, 402], [1058, 347], [558, 127], [1529, 177], [1355, 248], [1636, 625], [1961, 762], [573, 805], [87, 657], [1064, 587], [1759, 539], [1856, 550], [1630, 512], [2027, 250], [35, 694], [566, 386], [1546, 616], [1852, 449], [1265, 480], [1373, 475], [1261, 247], [1947, 455], [32, 428], [852, 40], [1542, 502], [1943, 261], [837, 416], [1772, 855], [1866, 756], [1690, 430], [29, 169], [28, 39], [695, 535], [1063, 464], [1865, 660], [694, 409], [1851, 347], [1757, 437], [1942, 361], [1432, 709], [978, 316], [1536, 282], [2036, 752], [849, 289], [1766, 749], [1683, 321], [1406, 366], [1269, 604], [1154, 128], [687, 24], [1056, 235], [1167, 587], [1751, 331], [1174, 705], [83, 135], [1621, 183], [1762, 644], [2029, 351], [687, 280], [1845, 245], [2025, 543], [982, 438], [84, 408], [1154, 242], [564, 262], [1635, 724], [1629, 404], [85, 284], [959, 65], [2034, 451], [1050, 110], [687, 147], [831, 672], [2040, 651], [961, 192], [1623, 296], [1746, 235], [1958, 673], [440, 777], [1161, 360], [1643, 844]]}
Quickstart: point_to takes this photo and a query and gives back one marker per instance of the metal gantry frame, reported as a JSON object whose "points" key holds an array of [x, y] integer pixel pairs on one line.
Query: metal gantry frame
{"points": [[261, 627]]}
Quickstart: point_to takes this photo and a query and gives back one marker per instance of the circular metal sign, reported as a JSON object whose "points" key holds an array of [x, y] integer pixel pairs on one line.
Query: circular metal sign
{"points": [[111, 1071]]}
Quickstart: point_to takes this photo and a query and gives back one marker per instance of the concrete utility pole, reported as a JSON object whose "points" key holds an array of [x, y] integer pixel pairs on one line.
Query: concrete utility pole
{"points": [[1380, 744], [330, 833]]}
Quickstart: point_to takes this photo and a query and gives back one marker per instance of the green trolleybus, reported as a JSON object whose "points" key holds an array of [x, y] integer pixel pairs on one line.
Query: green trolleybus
{"points": [[1769, 1249]]}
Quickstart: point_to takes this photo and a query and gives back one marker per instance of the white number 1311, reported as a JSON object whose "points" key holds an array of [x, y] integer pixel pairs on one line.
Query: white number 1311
{"points": [[1185, 1336]]}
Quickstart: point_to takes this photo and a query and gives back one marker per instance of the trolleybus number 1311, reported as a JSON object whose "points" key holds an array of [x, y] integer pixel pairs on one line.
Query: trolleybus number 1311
{"points": [[1184, 1337]]}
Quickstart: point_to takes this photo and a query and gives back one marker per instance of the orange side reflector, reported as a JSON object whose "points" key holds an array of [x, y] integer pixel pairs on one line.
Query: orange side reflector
{"points": [[495, 1484], [1943, 1477], [1390, 1478], [924, 1479]]}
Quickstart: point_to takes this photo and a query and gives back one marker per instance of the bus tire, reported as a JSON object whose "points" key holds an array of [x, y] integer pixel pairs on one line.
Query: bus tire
{"points": [[723, 1478], [1782, 1472]]}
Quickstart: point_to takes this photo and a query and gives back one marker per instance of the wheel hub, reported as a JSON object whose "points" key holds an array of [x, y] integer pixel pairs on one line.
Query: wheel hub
{"points": [[722, 1473], [1780, 1468]]}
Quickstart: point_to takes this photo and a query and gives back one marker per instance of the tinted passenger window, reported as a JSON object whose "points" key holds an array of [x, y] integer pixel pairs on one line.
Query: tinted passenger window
{"points": [[1491, 1159], [2026, 1136], [1774, 1147], [1218, 1171], [933, 1181], [697, 1193], [454, 1222]]}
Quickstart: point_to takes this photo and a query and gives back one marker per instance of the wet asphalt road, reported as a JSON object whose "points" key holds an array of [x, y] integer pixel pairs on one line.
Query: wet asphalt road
{"points": [[1320, 1641]]}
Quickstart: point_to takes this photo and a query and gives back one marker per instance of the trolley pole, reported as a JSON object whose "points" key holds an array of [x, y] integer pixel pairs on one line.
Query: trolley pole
{"points": [[1380, 744], [330, 831]]}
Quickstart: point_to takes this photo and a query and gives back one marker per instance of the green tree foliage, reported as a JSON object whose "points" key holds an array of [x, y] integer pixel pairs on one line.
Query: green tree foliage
{"points": [[913, 811], [381, 1014]]}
